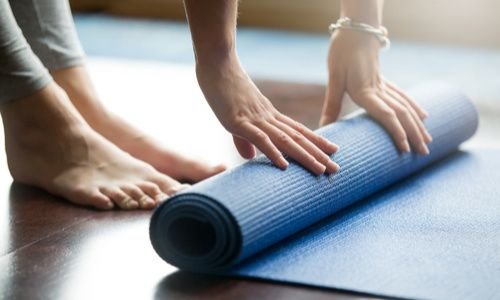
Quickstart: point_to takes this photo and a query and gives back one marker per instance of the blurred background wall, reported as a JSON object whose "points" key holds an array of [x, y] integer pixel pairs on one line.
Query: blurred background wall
{"points": [[457, 42], [461, 22]]}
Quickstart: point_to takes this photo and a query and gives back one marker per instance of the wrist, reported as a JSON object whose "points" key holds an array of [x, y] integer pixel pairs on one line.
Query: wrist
{"points": [[215, 53], [355, 40], [364, 11], [216, 75], [219, 65]]}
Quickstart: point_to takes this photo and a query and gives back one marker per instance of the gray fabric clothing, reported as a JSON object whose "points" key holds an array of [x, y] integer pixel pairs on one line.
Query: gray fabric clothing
{"points": [[21, 72], [35, 35], [48, 27]]}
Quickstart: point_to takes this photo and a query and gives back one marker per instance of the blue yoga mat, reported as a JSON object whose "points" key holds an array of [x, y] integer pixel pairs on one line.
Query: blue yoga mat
{"points": [[391, 224]]}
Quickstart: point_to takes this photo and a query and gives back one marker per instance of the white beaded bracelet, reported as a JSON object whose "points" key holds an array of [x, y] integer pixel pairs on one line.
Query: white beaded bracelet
{"points": [[346, 23]]}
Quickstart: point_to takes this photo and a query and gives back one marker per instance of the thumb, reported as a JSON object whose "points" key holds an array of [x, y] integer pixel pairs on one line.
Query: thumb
{"points": [[245, 148], [333, 101]]}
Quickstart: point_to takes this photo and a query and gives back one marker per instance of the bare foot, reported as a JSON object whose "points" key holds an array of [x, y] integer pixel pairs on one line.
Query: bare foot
{"points": [[76, 82], [49, 145]]}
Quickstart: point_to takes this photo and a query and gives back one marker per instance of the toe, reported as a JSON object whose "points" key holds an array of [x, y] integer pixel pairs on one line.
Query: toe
{"points": [[101, 201], [196, 171], [166, 184], [145, 201], [153, 191], [179, 188], [90, 197], [120, 198]]}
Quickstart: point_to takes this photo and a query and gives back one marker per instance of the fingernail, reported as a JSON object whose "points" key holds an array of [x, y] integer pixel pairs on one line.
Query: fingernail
{"points": [[428, 137], [405, 147], [332, 147], [333, 167], [424, 149], [320, 168], [282, 163]]}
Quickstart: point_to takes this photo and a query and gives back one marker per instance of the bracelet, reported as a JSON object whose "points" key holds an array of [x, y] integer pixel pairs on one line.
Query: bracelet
{"points": [[380, 32]]}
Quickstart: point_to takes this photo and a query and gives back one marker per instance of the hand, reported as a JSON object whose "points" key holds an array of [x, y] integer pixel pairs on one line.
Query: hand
{"points": [[354, 69], [252, 120]]}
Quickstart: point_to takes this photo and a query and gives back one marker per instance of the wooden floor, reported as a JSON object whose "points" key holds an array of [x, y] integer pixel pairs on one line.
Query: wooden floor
{"points": [[53, 250]]}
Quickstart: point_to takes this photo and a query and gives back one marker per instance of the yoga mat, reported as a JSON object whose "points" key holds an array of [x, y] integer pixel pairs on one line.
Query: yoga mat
{"points": [[291, 226]]}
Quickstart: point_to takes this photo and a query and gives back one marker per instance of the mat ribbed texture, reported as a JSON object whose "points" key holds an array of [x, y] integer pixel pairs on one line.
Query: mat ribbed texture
{"points": [[434, 235], [221, 222]]}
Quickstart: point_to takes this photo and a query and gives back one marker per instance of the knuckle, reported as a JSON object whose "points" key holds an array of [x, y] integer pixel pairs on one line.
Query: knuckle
{"points": [[283, 138], [261, 136], [403, 112], [296, 136], [260, 122], [385, 112], [389, 114], [240, 114], [300, 127], [236, 125]]}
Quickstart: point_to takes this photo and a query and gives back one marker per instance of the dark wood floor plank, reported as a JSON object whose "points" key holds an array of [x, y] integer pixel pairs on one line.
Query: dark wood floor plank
{"points": [[109, 256], [33, 214]]}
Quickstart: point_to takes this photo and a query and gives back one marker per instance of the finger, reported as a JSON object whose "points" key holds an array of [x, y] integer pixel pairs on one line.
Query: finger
{"points": [[406, 119], [381, 112], [415, 116], [262, 141], [244, 147], [420, 111], [289, 147], [333, 100], [331, 167], [119, 197], [145, 202], [324, 144]]}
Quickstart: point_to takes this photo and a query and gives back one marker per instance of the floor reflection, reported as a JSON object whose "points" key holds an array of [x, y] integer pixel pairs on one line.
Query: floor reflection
{"points": [[185, 285], [115, 259]]}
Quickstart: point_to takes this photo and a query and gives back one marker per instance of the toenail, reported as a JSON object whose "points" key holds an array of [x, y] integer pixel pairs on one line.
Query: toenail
{"points": [[145, 200], [129, 202], [179, 188], [161, 197]]}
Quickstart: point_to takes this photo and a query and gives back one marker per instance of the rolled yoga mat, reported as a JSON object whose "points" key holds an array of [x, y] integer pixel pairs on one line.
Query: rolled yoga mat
{"points": [[259, 221]]}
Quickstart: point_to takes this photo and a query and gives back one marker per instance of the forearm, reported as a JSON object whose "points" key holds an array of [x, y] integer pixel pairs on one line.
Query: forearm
{"points": [[213, 29], [366, 11]]}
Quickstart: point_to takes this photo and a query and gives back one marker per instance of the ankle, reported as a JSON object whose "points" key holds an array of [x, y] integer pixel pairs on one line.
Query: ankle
{"points": [[76, 82], [46, 110]]}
